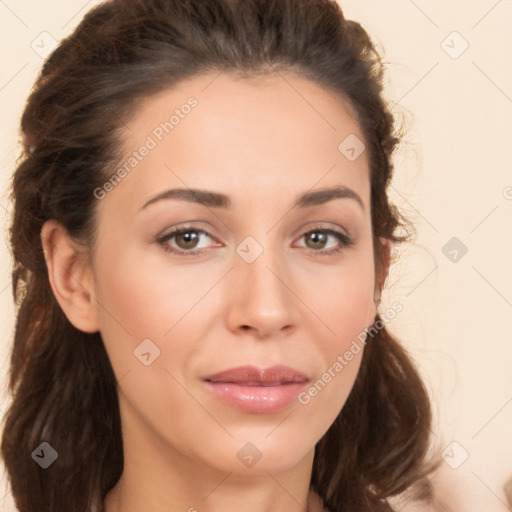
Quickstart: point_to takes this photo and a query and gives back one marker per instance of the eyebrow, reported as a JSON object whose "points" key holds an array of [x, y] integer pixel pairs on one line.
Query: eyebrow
{"points": [[218, 200]]}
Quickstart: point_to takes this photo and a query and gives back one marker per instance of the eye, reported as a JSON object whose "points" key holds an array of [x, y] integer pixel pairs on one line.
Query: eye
{"points": [[317, 240], [184, 241], [190, 241]]}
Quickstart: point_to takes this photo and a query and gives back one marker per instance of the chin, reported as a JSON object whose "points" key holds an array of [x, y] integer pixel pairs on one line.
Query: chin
{"points": [[263, 451]]}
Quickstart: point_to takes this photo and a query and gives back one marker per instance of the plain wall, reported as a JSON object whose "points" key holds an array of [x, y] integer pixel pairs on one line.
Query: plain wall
{"points": [[453, 178]]}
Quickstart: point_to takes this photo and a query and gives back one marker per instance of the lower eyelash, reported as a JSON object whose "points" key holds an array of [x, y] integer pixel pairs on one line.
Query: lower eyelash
{"points": [[345, 241]]}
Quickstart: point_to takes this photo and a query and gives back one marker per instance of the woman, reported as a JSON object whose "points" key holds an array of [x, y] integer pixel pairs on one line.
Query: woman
{"points": [[201, 235]]}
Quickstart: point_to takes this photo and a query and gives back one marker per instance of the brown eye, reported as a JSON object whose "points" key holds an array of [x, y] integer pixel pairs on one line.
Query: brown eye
{"points": [[317, 239], [326, 241], [187, 239]]}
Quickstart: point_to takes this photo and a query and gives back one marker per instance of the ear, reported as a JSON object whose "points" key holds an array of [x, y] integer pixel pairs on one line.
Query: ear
{"points": [[70, 276], [382, 267]]}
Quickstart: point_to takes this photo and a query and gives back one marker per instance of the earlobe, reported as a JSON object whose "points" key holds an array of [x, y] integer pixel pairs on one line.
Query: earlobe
{"points": [[70, 276]]}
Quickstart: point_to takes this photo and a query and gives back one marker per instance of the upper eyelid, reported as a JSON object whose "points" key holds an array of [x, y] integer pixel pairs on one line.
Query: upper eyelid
{"points": [[184, 229], [300, 231]]}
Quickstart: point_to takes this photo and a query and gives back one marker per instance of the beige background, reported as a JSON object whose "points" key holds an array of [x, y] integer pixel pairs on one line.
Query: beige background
{"points": [[453, 178]]}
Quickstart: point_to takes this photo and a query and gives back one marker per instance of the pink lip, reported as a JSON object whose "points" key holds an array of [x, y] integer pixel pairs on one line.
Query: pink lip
{"points": [[253, 390]]}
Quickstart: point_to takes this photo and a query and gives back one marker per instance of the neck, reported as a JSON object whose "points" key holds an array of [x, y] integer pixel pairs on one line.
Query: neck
{"points": [[232, 497], [115, 502], [158, 477]]}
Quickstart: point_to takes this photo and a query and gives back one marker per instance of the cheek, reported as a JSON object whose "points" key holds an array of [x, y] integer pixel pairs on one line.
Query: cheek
{"points": [[344, 307], [342, 297], [138, 301], [145, 290], [347, 314], [347, 311]]}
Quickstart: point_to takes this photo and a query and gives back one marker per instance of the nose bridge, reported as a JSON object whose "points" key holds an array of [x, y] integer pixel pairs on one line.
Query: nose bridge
{"points": [[263, 301], [259, 267]]}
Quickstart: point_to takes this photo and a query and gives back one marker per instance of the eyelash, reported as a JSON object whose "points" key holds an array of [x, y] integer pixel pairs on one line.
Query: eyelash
{"points": [[345, 241]]}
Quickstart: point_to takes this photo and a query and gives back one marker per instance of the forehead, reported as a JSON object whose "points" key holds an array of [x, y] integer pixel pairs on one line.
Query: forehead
{"points": [[217, 130]]}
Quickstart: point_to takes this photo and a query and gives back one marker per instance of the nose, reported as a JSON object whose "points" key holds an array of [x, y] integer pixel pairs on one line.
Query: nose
{"points": [[261, 297]]}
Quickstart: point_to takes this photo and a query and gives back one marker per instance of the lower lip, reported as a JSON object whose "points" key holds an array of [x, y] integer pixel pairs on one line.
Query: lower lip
{"points": [[259, 399]]}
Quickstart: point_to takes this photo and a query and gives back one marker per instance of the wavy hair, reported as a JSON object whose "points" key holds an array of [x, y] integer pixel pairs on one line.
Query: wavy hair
{"points": [[63, 387]]}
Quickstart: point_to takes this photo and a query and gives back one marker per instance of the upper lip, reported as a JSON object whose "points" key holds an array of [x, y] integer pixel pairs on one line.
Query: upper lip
{"points": [[278, 374]]}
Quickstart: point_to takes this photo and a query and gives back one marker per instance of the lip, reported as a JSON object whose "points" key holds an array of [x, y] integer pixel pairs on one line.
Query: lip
{"points": [[269, 376], [260, 391]]}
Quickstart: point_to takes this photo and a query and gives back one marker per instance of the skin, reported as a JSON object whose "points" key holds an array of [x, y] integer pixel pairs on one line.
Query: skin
{"points": [[263, 142]]}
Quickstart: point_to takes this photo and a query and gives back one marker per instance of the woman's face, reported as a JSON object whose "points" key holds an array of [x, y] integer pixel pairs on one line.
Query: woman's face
{"points": [[257, 277]]}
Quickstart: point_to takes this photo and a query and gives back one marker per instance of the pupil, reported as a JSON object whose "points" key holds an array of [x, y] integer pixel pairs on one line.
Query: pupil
{"points": [[190, 238], [318, 238]]}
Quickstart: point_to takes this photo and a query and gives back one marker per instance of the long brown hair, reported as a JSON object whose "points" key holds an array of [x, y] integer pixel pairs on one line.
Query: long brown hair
{"points": [[63, 385]]}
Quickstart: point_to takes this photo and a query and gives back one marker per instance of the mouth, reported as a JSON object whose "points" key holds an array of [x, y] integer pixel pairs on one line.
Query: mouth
{"points": [[262, 384], [258, 391], [251, 376]]}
